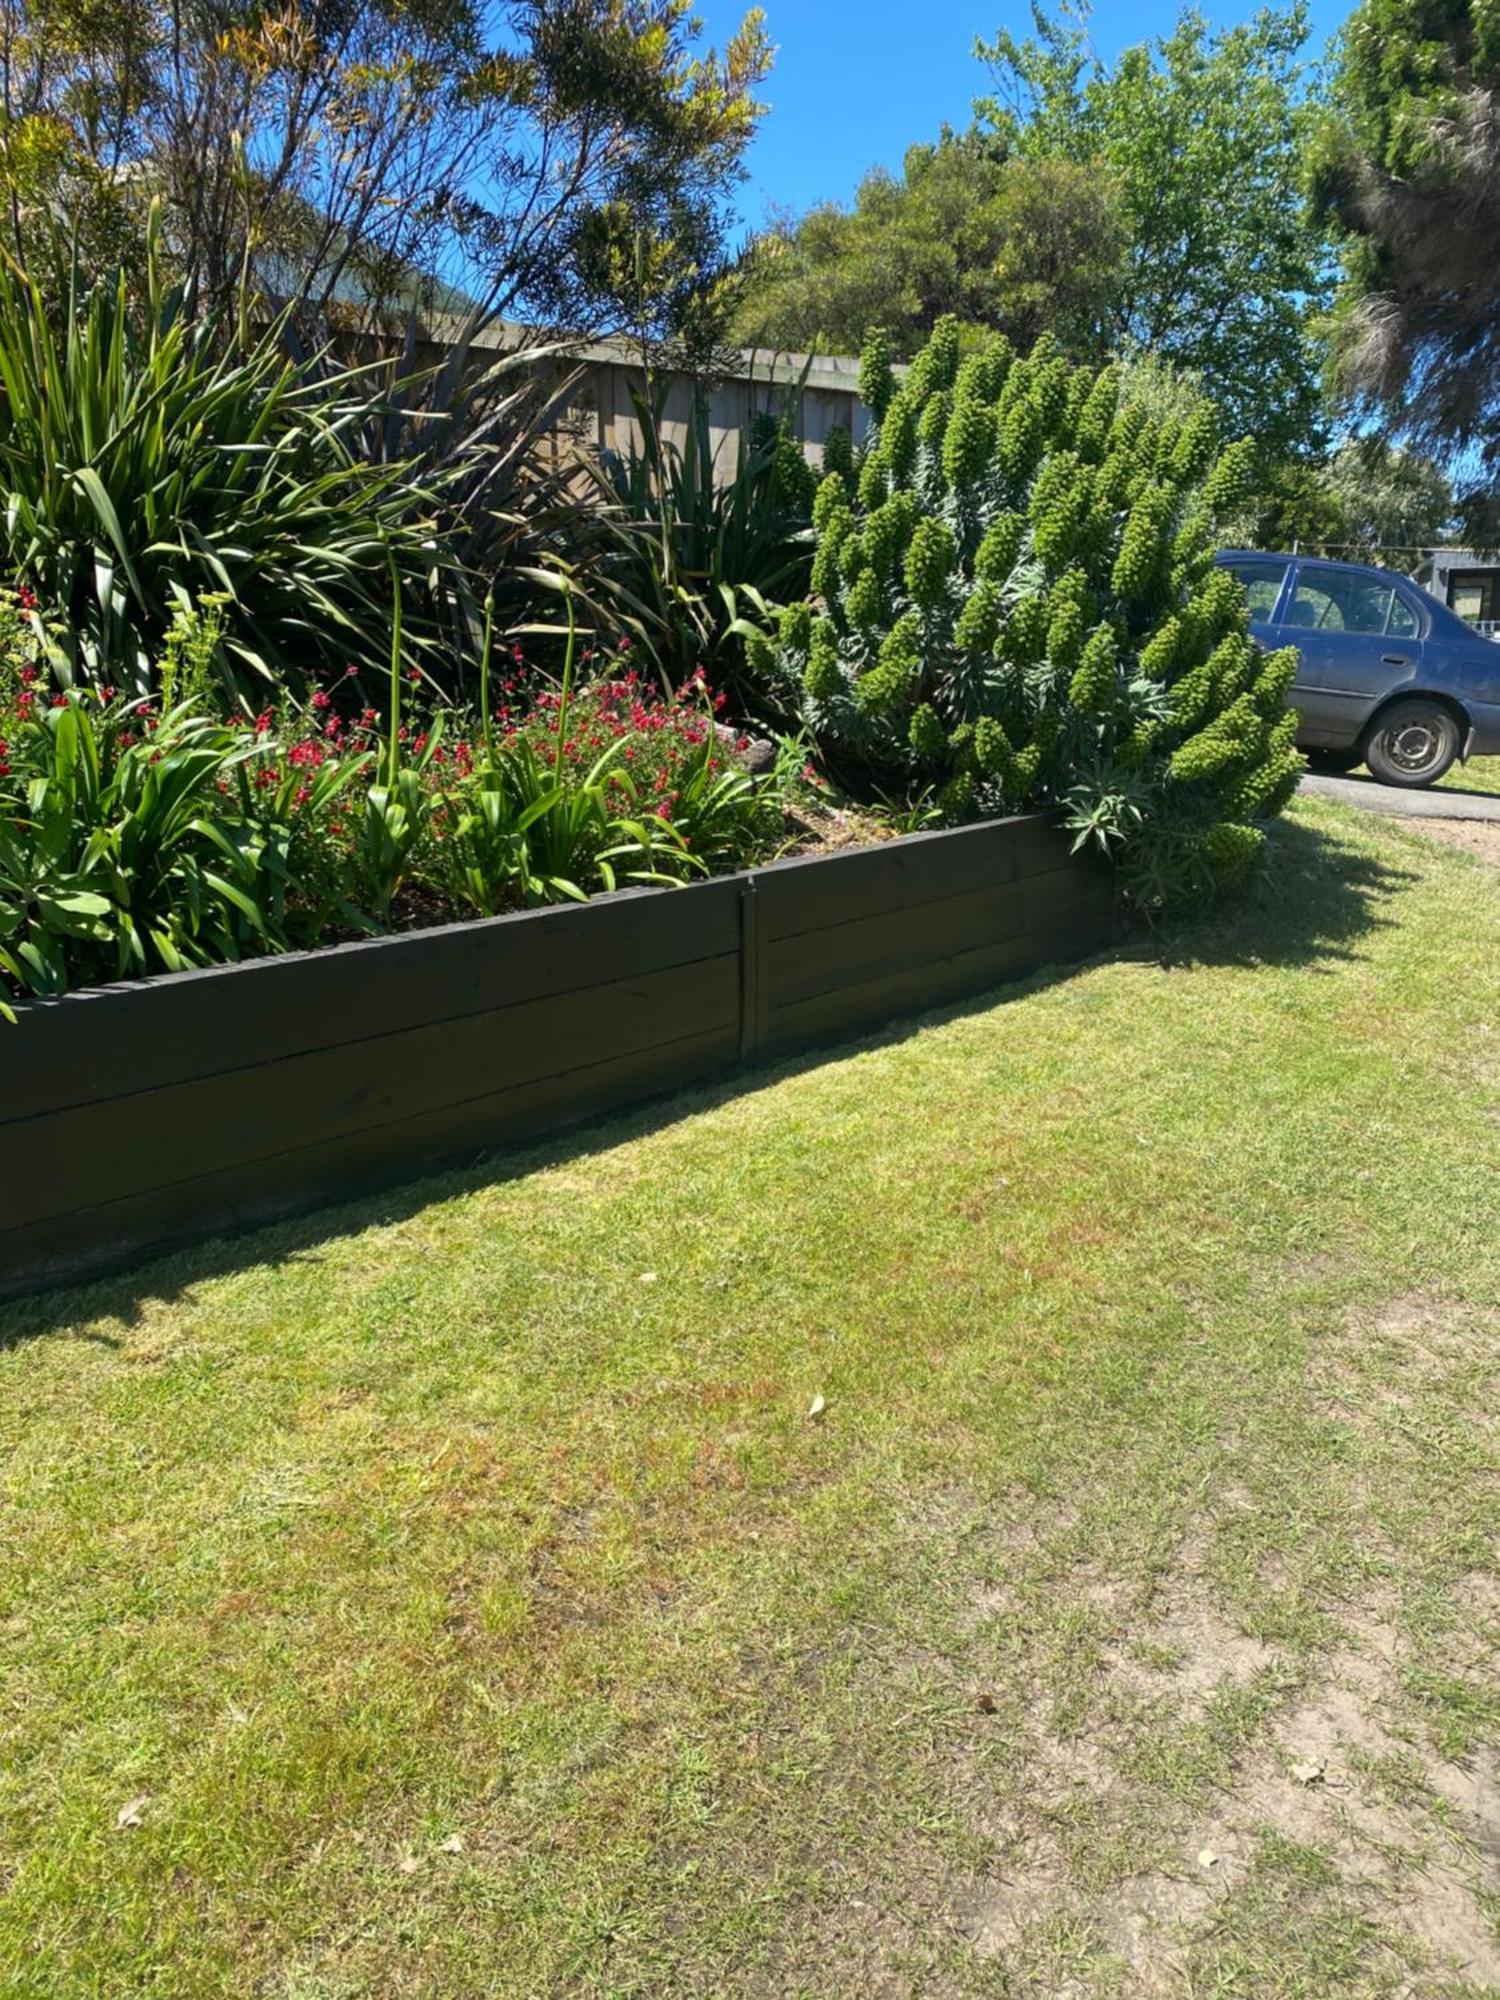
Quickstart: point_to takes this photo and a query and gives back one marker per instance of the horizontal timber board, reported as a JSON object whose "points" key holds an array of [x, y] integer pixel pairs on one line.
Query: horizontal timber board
{"points": [[815, 890], [848, 954], [139, 1035], [119, 1232], [91, 1153], [878, 1001]]}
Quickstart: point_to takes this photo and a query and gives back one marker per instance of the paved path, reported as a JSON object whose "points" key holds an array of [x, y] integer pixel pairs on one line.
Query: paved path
{"points": [[1439, 802]]}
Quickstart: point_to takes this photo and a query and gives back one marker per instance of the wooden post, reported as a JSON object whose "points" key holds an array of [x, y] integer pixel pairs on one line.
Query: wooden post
{"points": [[752, 974]]}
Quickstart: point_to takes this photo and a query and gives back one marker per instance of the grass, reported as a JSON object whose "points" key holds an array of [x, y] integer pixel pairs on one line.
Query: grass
{"points": [[459, 1596], [1480, 774]]}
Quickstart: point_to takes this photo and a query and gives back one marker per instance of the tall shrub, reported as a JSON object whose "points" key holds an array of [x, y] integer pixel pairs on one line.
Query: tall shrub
{"points": [[1015, 603], [150, 459], [697, 545]]}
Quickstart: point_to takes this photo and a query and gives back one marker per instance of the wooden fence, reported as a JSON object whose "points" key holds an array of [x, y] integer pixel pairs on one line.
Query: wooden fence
{"points": [[816, 393], [140, 1116]]}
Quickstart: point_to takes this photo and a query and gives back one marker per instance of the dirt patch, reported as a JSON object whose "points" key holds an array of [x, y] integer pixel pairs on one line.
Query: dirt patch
{"points": [[1390, 1369], [816, 829], [1187, 1653], [1206, 1789], [1479, 837], [1237, 1738], [1343, 1775]]}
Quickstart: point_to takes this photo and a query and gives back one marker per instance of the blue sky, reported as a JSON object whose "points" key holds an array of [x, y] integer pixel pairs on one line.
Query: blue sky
{"points": [[857, 81]]}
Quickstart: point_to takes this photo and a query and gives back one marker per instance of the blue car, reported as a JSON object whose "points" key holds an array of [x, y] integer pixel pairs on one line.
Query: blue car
{"points": [[1387, 676]]}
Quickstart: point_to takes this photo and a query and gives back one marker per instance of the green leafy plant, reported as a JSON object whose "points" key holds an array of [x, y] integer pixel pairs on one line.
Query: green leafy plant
{"points": [[604, 784], [1016, 603], [115, 858], [134, 840], [151, 462], [697, 558]]}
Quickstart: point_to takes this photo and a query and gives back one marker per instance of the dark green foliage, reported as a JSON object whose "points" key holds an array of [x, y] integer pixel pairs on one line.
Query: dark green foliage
{"points": [[149, 460], [1043, 621], [965, 228], [1406, 166], [1200, 135], [692, 557]]}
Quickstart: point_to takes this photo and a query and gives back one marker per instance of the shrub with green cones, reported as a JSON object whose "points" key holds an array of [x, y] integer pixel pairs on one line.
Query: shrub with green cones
{"points": [[1015, 604]]}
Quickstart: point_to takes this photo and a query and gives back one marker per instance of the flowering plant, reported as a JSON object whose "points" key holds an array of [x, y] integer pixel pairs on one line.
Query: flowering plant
{"points": [[138, 838]]}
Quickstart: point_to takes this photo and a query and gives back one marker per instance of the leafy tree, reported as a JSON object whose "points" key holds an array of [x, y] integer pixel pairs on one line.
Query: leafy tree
{"points": [[359, 155], [1294, 506], [1002, 243], [1408, 167], [1370, 498], [1203, 134], [1390, 499]]}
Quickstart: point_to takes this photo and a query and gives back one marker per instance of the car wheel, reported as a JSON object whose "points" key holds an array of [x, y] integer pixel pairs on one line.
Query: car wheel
{"points": [[1411, 743], [1336, 760]]}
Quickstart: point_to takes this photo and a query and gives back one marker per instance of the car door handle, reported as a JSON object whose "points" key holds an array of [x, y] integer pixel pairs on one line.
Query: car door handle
{"points": [[1396, 659]]}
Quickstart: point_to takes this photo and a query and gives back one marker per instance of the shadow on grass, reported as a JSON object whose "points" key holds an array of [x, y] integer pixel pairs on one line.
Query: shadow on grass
{"points": [[1319, 898]]}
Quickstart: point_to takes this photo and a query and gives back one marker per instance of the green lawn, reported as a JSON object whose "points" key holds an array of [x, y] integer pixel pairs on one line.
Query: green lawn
{"points": [[458, 1596], [1480, 774]]}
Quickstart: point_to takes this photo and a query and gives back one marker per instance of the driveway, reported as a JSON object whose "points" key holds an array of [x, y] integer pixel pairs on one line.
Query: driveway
{"points": [[1438, 803]]}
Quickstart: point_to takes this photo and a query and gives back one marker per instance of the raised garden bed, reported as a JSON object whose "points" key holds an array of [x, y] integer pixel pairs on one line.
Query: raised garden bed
{"points": [[135, 1117]]}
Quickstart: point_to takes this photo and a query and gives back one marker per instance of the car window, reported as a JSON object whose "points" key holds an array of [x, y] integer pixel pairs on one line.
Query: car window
{"points": [[1403, 623], [1329, 601], [1262, 577]]}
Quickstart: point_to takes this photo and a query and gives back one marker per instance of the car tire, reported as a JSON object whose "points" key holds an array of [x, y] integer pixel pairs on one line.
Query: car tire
{"points": [[1411, 743], [1336, 760]]}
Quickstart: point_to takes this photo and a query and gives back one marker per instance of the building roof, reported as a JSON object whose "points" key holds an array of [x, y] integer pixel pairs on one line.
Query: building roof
{"points": [[760, 364]]}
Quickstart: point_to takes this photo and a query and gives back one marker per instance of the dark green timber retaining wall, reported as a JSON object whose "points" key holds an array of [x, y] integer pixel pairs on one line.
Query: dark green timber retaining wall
{"points": [[161, 1112]]}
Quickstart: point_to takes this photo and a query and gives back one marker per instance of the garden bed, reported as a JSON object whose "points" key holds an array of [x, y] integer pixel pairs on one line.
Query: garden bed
{"points": [[140, 1115]]}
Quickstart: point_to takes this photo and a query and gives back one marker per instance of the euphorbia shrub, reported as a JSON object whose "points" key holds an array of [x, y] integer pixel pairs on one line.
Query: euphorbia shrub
{"points": [[1015, 603]]}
